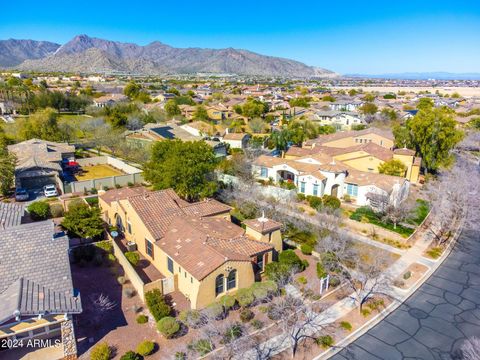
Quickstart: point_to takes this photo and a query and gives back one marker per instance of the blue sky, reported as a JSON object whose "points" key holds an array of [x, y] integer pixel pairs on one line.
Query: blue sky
{"points": [[368, 37]]}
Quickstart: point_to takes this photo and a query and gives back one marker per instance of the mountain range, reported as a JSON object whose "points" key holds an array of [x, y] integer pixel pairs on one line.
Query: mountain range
{"points": [[92, 55]]}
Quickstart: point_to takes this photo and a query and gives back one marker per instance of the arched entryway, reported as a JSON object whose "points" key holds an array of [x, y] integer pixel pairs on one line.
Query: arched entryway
{"points": [[334, 191], [119, 223]]}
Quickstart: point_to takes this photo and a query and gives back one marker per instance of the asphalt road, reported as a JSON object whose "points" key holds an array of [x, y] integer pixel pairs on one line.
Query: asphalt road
{"points": [[436, 319]]}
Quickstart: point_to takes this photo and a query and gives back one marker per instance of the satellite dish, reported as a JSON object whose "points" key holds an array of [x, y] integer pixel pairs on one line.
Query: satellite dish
{"points": [[114, 234]]}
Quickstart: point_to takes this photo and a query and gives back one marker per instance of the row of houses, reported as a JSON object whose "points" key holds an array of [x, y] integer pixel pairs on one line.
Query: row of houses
{"points": [[344, 164]]}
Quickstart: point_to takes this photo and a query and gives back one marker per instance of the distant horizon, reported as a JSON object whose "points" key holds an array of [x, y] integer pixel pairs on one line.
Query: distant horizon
{"points": [[348, 38]]}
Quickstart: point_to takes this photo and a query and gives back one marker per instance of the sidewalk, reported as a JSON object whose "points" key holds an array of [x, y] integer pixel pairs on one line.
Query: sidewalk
{"points": [[344, 306]]}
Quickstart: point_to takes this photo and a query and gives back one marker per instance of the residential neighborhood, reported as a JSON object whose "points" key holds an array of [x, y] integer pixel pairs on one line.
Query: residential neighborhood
{"points": [[163, 202]]}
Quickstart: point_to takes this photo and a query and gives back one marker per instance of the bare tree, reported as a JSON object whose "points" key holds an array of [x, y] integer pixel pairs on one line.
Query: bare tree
{"points": [[471, 348], [454, 198], [396, 214], [364, 273], [298, 321], [101, 306]]}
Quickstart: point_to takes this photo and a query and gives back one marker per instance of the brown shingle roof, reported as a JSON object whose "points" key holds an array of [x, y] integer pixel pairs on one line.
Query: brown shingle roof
{"points": [[121, 194]]}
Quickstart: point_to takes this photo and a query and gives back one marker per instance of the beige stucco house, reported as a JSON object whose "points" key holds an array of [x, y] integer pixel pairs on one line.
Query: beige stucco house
{"points": [[195, 246]]}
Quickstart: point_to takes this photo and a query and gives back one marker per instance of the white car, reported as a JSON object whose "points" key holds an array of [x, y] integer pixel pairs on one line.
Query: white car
{"points": [[50, 190]]}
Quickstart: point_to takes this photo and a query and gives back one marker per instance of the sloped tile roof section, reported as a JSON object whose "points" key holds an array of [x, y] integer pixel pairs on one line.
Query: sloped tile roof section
{"points": [[263, 225], [11, 215], [201, 245], [35, 271]]}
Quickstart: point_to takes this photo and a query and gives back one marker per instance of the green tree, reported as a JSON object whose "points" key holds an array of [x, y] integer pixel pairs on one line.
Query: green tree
{"points": [[425, 103], [132, 89], [434, 134], [200, 113], [369, 97], [42, 125], [368, 108], [7, 167], [254, 108], [184, 166], [174, 91], [83, 221], [257, 125], [172, 108], [403, 137], [300, 101], [392, 167]]}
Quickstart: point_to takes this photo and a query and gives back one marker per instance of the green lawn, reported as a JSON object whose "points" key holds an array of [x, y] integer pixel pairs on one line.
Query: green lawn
{"points": [[420, 212], [366, 214]]}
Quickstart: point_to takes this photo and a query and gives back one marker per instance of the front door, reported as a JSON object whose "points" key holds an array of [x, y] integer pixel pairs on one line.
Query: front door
{"points": [[168, 285], [335, 190]]}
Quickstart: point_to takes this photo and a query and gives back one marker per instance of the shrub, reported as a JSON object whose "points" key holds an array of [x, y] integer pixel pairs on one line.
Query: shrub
{"points": [[105, 246], [180, 355], [106, 188], [260, 291], [407, 275], [93, 191], [245, 297], [215, 310], [130, 355], [300, 197], [334, 281], [321, 273], [346, 325], [157, 305], [142, 319], [130, 184], [246, 315], [191, 317], [331, 201], [168, 326], [347, 198], [227, 301], [325, 341], [435, 252], [203, 346], [111, 259], [39, 210], [121, 280], [257, 324], [132, 257], [302, 280], [56, 210], [118, 186], [129, 292], [305, 263], [306, 249], [289, 257], [314, 201], [232, 333], [365, 312], [101, 352], [146, 347]]}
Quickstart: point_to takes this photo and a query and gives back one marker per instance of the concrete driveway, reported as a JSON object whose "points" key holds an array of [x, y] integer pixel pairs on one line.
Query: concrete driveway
{"points": [[436, 319]]}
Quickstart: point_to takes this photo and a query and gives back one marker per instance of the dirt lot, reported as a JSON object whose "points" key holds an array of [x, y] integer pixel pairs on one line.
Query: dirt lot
{"points": [[97, 172]]}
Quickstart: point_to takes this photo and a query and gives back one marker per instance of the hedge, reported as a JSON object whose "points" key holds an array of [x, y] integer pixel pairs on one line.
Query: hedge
{"points": [[146, 347], [157, 305], [101, 352]]}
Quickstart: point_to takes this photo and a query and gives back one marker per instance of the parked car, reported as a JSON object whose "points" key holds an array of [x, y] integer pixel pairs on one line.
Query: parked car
{"points": [[50, 190], [21, 194]]}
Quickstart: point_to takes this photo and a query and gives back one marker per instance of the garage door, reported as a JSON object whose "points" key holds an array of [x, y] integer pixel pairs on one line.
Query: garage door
{"points": [[38, 182]]}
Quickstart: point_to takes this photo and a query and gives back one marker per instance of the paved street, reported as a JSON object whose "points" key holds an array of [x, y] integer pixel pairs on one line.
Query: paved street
{"points": [[436, 319]]}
